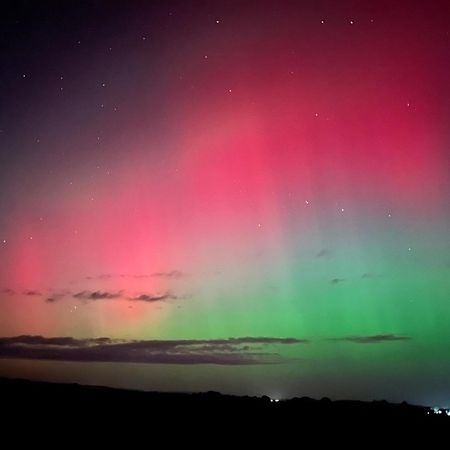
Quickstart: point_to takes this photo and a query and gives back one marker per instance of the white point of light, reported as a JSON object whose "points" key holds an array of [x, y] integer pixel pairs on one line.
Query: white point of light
{"points": [[352, 22]]}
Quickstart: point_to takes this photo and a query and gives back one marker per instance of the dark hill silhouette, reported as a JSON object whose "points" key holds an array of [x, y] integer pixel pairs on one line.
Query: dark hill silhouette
{"points": [[65, 403]]}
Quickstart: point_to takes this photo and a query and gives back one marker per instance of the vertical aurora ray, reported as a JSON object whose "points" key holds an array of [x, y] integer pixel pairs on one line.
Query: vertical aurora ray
{"points": [[204, 174]]}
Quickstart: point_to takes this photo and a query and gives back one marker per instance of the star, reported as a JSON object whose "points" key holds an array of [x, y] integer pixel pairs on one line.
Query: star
{"points": [[4, 241], [103, 84], [322, 22], [342, 209], [307, 202], [352, 22]]}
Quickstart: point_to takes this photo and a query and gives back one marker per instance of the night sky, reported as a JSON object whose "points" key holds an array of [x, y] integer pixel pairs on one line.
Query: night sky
{"points": [[247, 197]]}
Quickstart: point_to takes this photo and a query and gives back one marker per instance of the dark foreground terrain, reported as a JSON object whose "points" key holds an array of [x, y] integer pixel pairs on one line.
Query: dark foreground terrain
{"points": [[73, 404]]}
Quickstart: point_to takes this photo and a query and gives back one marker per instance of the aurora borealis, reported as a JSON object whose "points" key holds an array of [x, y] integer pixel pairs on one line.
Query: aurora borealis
{"points": [[246, 196]]}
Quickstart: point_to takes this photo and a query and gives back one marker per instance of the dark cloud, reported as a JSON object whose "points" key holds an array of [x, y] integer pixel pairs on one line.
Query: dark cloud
{"points": [[374, 339], [152, 297], [8, 291], [32, 293], [232, 351], [337, 280], [106, 295], [366, 275], [97, 295], [324, 253]]}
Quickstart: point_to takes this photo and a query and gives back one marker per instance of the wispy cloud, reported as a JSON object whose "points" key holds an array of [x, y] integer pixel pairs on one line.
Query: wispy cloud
{"points": [[172, 274], [324, 253], [32, 293], [337, 280], [8, 291], [153, 297], [232, 351], [373, 339], [97, 295]]}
